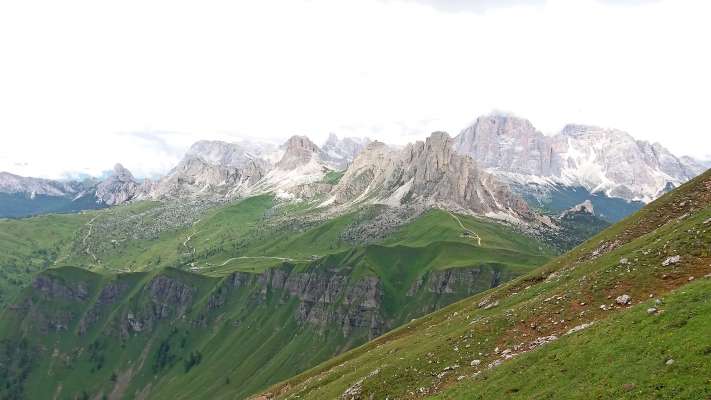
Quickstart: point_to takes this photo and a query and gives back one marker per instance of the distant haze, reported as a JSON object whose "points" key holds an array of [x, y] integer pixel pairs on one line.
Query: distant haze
{"points": [[86, 84]]}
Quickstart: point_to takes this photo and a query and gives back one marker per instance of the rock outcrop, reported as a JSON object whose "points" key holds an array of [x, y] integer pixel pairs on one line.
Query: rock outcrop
{"points": [[428, 173], [118, 188], [52, 288], [585, 207], [327, 298], [298, 151]]}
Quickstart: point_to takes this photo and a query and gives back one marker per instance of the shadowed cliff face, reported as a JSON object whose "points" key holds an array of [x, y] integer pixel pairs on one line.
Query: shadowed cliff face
{"points": [[146, 327]]}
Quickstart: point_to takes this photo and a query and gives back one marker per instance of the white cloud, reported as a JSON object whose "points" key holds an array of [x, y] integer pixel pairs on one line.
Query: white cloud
{"points": [[75, 76]]}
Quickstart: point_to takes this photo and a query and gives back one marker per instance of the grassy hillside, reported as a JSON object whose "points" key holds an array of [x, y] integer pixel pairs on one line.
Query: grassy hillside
{"points": [[625, 356], [276, 295], [249, 235], [32, 244], [578, 327]]}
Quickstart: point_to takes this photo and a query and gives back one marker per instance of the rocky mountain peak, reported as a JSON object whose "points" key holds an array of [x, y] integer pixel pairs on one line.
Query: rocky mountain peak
{"points": [[434, 153], [332, 139], [298, 151], [504, 124], [118, 188], [213, 168], [121, 173], [438, 138], [216, 152], [600, 160], [341, 152], [425, 174], [506, 143], [300, 142]]}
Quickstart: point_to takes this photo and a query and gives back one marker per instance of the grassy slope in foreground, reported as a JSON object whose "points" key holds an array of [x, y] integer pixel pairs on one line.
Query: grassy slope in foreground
{"points": [[136, 333], [625, 356], [509, 329]]}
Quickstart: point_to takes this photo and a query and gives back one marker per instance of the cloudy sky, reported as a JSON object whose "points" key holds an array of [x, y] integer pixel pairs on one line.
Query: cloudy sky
{"points": [[86, 84]]}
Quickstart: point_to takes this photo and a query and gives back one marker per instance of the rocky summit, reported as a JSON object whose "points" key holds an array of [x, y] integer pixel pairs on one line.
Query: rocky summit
{"points": [[341, 152], [601, 160], [427, 174], [486, 169], [118, 188]]}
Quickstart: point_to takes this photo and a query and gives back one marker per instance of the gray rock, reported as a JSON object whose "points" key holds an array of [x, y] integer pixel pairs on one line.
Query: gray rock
{"points": [[585, 207], [623, 299], [671, 260]]}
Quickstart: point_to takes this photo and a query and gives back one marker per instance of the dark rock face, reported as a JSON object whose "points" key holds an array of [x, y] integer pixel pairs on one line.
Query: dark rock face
{"points": [[326, 298], [110, 294], [169, 296], [461, 281], [164, 298], [51, 288]]}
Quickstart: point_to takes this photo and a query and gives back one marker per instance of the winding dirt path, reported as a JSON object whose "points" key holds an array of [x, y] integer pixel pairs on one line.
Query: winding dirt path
{"points": [[261, 258], [473, 235], [185, 243], [87, 249]]}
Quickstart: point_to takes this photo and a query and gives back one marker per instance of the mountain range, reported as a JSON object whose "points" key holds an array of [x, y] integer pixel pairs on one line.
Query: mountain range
{"points": [[608, 167]]}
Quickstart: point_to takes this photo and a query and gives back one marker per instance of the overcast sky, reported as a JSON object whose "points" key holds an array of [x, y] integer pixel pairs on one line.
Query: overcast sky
{"points": [[86, 84]]}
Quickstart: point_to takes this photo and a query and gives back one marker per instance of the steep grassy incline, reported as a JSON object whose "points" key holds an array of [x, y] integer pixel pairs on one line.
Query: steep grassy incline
{"points": [[633, 355], [579, 327]]}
